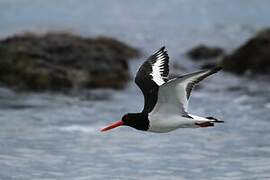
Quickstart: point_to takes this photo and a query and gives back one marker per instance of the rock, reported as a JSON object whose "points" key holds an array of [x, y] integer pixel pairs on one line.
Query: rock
{"points": [[204, 52], [209, 65], [62, 61], [252, 57], [235, 88]]}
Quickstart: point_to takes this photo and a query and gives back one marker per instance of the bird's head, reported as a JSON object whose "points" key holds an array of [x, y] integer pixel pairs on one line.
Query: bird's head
{"points": [[136, 120]]}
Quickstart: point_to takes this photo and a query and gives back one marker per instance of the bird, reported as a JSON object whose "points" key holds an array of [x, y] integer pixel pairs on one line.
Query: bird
{"points": [[165, 100]]}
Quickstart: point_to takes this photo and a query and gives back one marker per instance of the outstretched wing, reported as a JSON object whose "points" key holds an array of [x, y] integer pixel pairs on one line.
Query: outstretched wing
{"points": [[152, 74], [174, 95]]}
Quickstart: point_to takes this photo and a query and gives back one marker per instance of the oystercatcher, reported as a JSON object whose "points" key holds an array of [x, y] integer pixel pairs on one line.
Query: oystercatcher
{"points": [[165, 101]]}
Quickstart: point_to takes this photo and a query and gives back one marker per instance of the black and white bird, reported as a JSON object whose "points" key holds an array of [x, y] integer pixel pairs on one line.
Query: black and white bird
{"points": [[165, 101]]}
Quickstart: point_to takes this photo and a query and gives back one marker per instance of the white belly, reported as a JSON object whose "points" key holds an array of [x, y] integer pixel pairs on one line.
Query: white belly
{"points": [[167, 123]]}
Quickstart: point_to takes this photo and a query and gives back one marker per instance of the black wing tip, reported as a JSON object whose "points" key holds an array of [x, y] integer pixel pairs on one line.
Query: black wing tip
{"points": [[216, 69], [162, 48], [162, 51]]}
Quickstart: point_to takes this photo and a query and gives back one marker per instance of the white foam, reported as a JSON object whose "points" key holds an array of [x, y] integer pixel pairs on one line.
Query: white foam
{"points": [[267, 105], [78, 128]]}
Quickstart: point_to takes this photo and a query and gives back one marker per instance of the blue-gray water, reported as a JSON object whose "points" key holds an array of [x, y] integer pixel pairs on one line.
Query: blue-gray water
{"points": [[54, 136]]}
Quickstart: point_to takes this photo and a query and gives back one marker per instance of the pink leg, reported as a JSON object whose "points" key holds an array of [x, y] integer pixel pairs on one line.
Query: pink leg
{"points": [[205, 124]]}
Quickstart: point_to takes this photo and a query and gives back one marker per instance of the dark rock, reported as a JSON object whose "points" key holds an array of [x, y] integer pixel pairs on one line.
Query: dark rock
{"points": [[252, 57], [209, 65], [235, 88], [204, 52], [61, 61]]}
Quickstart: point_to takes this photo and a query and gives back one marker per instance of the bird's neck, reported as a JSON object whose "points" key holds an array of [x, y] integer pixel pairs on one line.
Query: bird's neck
{"points": [[141, 121]]}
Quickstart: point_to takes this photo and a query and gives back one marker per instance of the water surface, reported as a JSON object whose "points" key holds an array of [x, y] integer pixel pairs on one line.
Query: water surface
{"points": [[55, 136]]}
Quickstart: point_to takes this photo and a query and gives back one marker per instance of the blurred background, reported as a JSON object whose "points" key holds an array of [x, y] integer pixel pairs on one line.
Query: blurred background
{"points": [[67, 69]]}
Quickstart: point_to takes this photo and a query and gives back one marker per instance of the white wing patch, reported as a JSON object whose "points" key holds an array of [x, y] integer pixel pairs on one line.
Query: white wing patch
{"points": [[158, 68]]}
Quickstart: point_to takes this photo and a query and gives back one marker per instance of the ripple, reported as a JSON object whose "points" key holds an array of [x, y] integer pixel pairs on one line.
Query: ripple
{"points": [[79, 128], [53, 136]]}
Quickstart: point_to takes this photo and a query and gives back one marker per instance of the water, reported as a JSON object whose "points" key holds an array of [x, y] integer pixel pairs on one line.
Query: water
{"points": [[55, 136]]}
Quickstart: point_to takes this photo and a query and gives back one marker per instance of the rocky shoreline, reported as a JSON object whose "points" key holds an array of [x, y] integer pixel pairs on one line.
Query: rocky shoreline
{"points": [[253, 57], [63, 61]]}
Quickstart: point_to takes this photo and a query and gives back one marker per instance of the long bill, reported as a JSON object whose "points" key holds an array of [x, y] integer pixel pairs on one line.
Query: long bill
{"points": [[114, 125]]}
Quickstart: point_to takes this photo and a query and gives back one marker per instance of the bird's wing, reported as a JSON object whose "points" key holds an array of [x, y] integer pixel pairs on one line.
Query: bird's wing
{"points": [[174, 95], [152, 74]]}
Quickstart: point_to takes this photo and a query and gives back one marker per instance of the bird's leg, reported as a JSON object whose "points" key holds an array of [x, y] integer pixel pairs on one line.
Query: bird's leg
{"points": [[205, 124]]}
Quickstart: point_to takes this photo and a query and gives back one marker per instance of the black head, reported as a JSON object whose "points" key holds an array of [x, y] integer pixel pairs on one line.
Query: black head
{"points": [[136, 120]]}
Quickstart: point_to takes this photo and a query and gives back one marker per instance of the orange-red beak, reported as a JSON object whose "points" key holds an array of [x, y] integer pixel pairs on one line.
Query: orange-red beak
{"points": [[114, 125]]}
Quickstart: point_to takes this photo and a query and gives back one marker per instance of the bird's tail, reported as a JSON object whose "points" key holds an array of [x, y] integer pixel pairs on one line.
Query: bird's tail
{"points": [[214, 119]]}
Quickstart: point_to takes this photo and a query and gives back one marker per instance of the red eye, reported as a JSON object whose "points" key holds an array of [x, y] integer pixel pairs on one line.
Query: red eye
{"points": [[125, 116]]}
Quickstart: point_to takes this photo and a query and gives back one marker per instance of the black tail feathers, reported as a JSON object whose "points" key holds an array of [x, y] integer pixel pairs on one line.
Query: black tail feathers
{"points": [[215, 120]]}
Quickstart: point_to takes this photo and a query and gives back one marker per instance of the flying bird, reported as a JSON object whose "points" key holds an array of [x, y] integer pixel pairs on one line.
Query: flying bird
{"points": [[165, 100]]}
